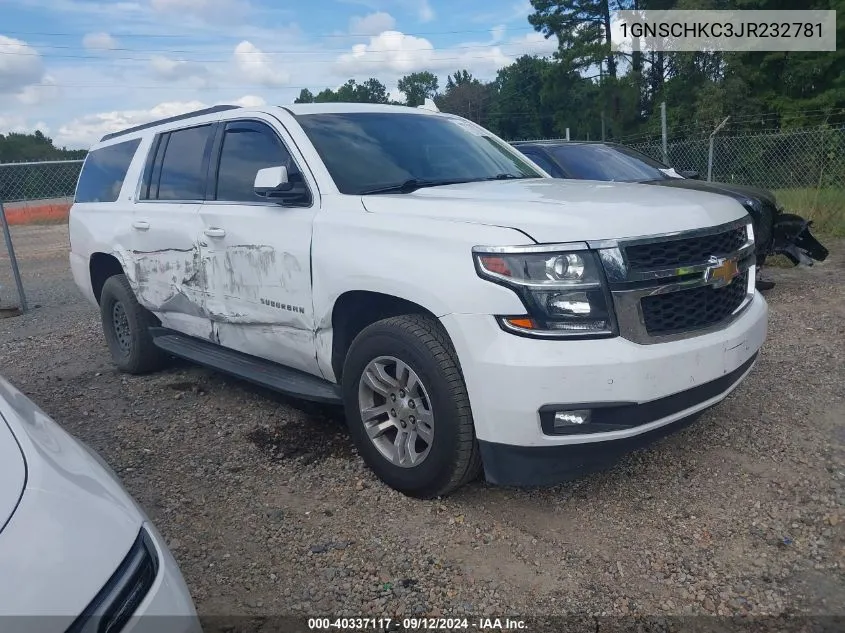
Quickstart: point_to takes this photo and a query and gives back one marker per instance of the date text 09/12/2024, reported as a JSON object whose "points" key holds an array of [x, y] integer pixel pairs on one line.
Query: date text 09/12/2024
{"points": [[415, 624]]}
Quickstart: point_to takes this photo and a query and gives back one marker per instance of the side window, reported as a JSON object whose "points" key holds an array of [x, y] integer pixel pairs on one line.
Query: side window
{"points": [[247, 147], [543, 162], [183, 171], [104, 172]]}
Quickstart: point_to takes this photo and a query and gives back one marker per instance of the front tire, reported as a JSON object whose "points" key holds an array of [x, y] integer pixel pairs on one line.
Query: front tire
{"points": [[126, 326], [407, 407]]}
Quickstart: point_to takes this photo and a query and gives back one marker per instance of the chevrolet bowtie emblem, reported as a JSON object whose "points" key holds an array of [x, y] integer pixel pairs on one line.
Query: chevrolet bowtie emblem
{"points": [[721, 271]]}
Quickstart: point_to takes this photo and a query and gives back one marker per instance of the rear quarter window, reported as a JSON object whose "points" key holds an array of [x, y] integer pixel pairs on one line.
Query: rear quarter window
{"points": [[104, 172]]}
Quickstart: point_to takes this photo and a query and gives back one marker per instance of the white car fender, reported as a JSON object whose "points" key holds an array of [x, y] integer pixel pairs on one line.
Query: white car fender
{"points": [[360, 251]]}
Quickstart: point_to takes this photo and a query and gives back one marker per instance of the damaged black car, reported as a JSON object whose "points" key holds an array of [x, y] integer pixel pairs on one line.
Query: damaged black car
{"points": [[776, 232]]}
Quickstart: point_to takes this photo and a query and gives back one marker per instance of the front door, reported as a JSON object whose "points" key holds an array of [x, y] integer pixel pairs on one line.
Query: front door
{"points": [[256, 253]]}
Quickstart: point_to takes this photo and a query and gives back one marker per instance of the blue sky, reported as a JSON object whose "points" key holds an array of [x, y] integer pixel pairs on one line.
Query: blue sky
{"points": [[80, 68]]}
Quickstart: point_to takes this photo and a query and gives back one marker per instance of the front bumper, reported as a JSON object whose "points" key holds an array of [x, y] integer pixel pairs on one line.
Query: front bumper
{"points": [[510, 379]]}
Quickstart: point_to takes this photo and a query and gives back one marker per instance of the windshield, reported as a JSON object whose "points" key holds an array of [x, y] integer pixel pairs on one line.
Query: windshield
{"points": [[603, 162], [368, 151]]}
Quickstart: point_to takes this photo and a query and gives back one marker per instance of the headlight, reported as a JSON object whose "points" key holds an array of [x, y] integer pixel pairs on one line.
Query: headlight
{"points": [[117, 601], [563, 291]]}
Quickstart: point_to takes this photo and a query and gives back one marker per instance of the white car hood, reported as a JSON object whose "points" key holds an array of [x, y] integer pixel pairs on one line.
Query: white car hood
{"points": [[73, 524], [555, 210]]}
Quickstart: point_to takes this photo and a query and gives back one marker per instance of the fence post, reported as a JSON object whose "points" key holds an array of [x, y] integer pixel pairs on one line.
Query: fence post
{"points": [[567, 134], [11, 250], [602, 126], [710, 150], [664, 132]]}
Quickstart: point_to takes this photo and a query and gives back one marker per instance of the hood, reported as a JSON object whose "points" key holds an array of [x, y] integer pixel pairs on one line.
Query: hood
{"points": [[73, 524], [738, 192], [553, 210]]}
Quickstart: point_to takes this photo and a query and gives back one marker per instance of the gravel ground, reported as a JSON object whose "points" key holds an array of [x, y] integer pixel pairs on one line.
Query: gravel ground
{"points": [[269, 510]]}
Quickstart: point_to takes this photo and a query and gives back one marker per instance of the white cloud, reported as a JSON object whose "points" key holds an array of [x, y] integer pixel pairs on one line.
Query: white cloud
{"points": [[20, 65], [99, 41], [390, 51], [87, 130], [371, 24], [250, 101], [395, 53], [258, 67], [533, 44], [42, 92], [497, 33], [167, 69], [20, 125]]}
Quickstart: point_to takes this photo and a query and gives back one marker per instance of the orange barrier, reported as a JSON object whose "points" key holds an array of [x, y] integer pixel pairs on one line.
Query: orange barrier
{"points": [[37, 212]]}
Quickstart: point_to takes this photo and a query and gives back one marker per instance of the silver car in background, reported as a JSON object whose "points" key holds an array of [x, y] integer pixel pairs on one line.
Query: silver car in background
{"points": [[77, 554]]}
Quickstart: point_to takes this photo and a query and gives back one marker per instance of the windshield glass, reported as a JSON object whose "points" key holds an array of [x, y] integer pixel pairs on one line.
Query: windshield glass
{"points": [[366, 151], [603, 162]]}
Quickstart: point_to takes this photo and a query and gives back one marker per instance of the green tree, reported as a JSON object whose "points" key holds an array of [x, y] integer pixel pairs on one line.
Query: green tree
{"points": [[372, 91], [582, 28], [466, 96], [15, 147], [305, 96], [518, 111], [459, 78], [417, 87], [326, 96]]}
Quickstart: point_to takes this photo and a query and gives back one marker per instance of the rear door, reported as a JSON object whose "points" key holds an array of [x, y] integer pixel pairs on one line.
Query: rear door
{"points": [[165, 253], [257, 253]]}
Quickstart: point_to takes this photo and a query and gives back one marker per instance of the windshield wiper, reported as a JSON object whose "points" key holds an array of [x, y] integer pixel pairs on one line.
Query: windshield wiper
{"points": [[411, 185], [509, 177]]}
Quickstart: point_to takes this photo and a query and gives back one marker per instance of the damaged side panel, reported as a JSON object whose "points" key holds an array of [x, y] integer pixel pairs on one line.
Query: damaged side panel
{"points": [[166, 269], [172, 280], [258, 280]]}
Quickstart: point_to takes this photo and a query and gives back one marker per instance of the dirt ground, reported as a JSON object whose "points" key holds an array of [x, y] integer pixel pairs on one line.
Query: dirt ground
{"points": [[269, 510]]}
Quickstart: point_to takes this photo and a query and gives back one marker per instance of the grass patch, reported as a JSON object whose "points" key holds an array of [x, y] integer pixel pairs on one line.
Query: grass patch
{"points": [[825, 207]]}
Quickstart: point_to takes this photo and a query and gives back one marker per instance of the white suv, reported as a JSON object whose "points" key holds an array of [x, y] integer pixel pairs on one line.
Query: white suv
{"points": [[468, 310]]}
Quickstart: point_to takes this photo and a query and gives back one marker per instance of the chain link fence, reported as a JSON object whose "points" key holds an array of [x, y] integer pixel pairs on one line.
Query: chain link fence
{"points": [[811, 158], [796, 159], [30, 193]]}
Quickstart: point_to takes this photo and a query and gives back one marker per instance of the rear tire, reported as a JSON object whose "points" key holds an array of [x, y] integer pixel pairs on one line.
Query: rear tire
{"points": [[411, 359], [126, 326]]}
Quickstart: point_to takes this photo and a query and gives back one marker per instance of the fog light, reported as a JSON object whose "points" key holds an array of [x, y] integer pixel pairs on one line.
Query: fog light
{"points": [[564, 419], [569, 304]]}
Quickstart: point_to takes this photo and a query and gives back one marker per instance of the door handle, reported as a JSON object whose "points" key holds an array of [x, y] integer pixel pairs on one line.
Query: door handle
{"points": [[215, 232], [141, 225]]}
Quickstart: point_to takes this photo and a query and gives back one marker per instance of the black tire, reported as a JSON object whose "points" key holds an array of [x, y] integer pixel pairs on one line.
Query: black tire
{"points": [[132, 350], [422, 344]]}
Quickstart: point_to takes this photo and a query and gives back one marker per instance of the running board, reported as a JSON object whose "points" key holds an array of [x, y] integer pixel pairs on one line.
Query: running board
{"points": [[258, 371]]}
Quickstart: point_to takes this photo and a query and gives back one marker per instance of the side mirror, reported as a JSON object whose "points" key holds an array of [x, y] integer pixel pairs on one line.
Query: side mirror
{"points": [[272, 182], [691, 174]]}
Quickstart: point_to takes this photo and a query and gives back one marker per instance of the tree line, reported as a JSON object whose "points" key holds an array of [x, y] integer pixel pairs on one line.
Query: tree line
{"points": [[16, 147]]}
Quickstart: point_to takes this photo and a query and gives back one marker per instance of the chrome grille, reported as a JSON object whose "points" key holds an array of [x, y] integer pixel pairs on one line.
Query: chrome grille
{"points": [[682, 284], [694, 308], [684, 251]]}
